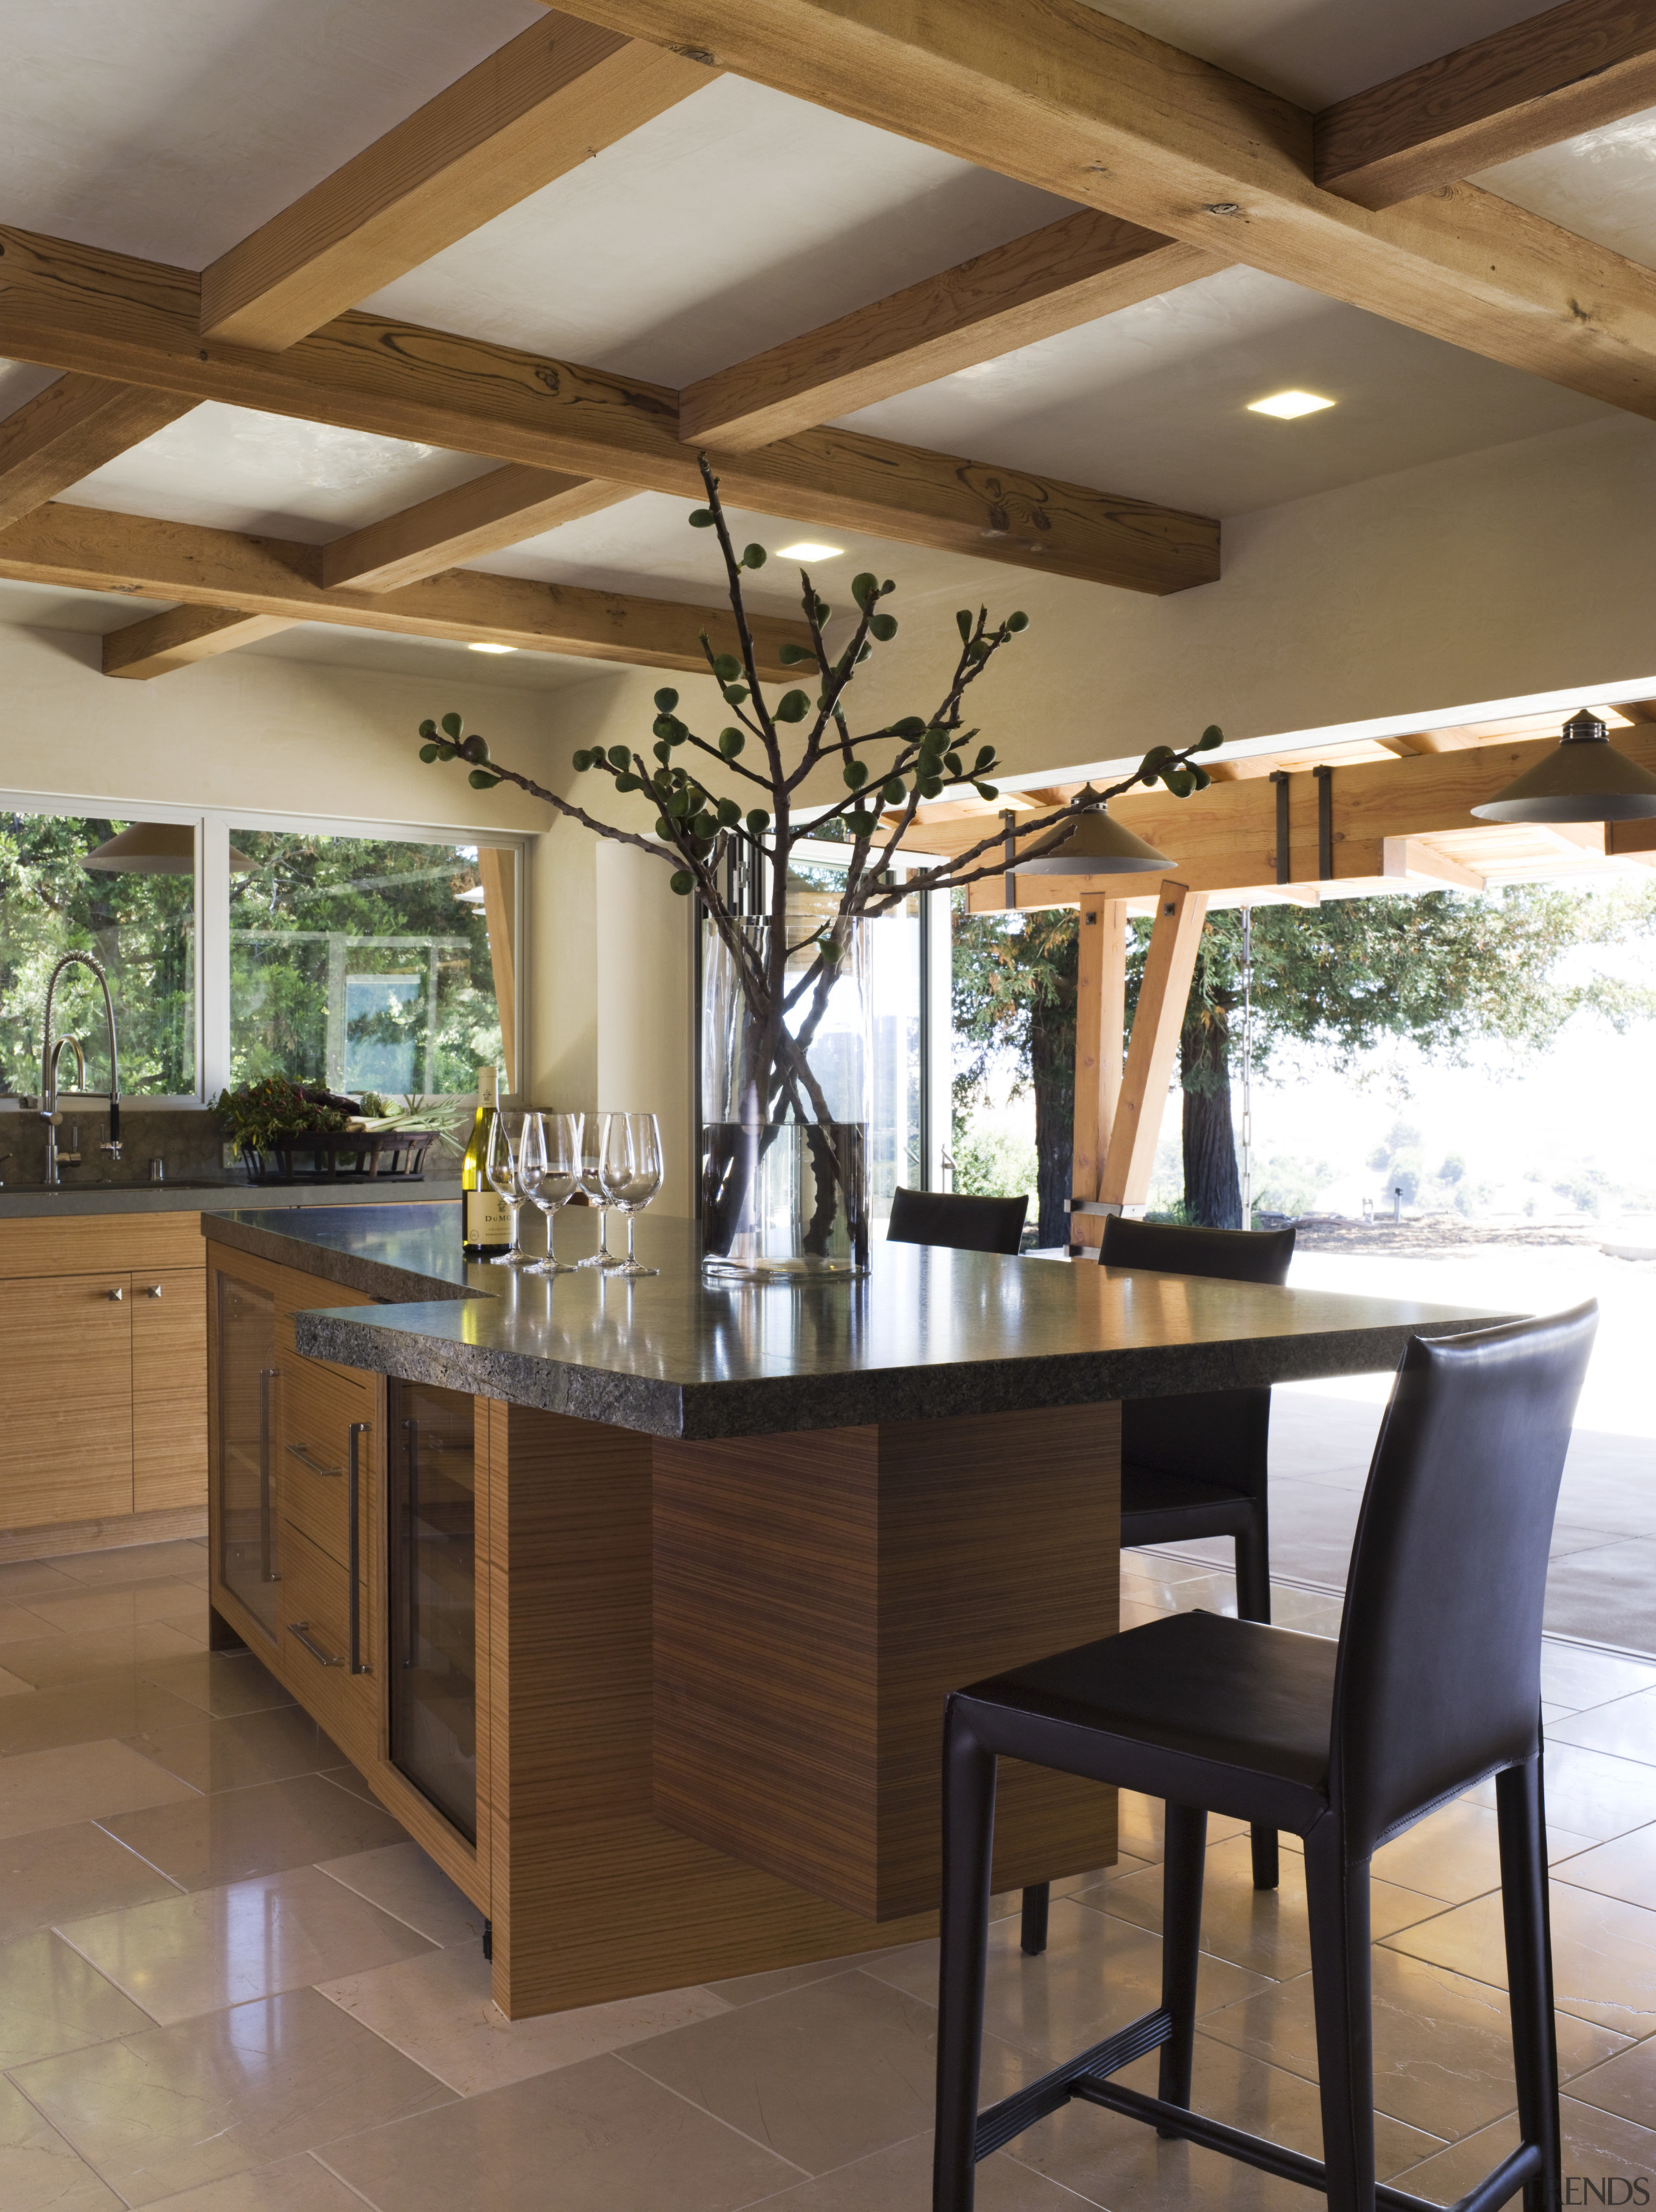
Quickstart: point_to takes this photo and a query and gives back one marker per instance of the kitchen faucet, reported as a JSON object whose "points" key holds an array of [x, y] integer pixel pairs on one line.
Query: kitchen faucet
{"points": [[49, 1054]]}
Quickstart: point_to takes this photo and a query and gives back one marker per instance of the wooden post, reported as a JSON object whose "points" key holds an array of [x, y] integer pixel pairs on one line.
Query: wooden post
{"points": [[1100, 1032], [498, 866], [1157, 1021]]}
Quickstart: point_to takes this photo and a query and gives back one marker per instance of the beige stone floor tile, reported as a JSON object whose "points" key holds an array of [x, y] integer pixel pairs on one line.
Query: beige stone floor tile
{"points": [[1310, 1611], [1110, 2159], [821, 2075], [81, 1782], [403, 1881], [1455, 1853], [52, 2001], [64, 1874], [219, 1683], [55, 1658], [1625, 1867], [1604, 1954], [603, 2136], [18, 1624], [195, 1622], [123, 1564], [1625, 2084], [1597, 2145], [22, 1579], [1591, 1793], [262, 1829], [116, 1608], [293, 2185], [38, 2172], [227, 1754], [1139, 1613], [12, 1685], [211, 1948], [437, 2010], [1096, 1974], [348, 1779], [173, 2108], [1443, 2053], [899, 2180], [752, 1989], [1626, 1726], [115, 1705], [1139, 1825], [1574, 1676], [1264, 1929]]}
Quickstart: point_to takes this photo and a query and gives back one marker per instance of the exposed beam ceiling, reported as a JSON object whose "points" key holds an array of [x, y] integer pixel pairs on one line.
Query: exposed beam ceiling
{"points": [[182, 636], [72, 306], [1073, 271], [484, 516], [71, 428], [1572, 70], [1061, 96], [551, 98], [90, 550]]}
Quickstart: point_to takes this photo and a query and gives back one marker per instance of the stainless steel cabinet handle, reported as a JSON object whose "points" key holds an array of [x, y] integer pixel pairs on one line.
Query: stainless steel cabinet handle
{"points": [[411, 1544], [308, 1459], [152, 1289], [266, 1569], [358, 1430], [299, 1629], [116, 1295]]}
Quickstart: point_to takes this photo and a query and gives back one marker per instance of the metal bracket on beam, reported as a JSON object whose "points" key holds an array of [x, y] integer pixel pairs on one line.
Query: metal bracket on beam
{"points": [[1008, 816], [1324, 776], [1278, 776]]}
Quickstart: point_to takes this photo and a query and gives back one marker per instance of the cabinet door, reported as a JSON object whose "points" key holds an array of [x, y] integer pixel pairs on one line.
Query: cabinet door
{"points": [[244, 1517], [66, 1386], [169, 1388], [431, 1597]]}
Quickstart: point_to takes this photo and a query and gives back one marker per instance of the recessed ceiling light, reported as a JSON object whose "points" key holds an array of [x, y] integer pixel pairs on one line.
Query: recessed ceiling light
{"points": [[1285, 405], [806, 550], [486, 645]]}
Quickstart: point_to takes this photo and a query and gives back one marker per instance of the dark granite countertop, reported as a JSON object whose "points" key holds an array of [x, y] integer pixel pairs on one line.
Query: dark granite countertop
{"points": [[929, 1333], [26, 1201]]}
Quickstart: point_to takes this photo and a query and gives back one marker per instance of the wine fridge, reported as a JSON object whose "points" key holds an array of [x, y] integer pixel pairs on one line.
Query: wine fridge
{"points": [[431, 1596], [245, 1471]]}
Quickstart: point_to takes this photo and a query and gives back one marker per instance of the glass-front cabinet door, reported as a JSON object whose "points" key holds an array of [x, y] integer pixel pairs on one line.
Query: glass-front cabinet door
{"points": [[244, 1471], [431, 1551]]}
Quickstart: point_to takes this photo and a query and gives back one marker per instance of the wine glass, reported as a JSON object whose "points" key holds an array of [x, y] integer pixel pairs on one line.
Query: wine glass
{"points": [[549, 1169], [629, 1168], [591, 1182], [500, 1166]]}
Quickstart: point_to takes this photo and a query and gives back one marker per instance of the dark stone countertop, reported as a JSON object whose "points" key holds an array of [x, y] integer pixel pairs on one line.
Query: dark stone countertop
{"points": [[929, 1333], [25, 1202]]}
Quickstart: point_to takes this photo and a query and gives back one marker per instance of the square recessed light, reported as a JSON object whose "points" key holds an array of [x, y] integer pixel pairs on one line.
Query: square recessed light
{"points": [[485, 647], [808, 550], [1286, 405]]}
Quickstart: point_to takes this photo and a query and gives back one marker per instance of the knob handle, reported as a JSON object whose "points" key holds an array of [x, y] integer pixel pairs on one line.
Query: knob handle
{"points": [[152, 1289], [116, 1294]]}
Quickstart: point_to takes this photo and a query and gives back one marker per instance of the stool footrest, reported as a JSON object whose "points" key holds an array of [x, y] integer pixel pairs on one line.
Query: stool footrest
{"points": [[1494, 2188], [1024, 2106]]}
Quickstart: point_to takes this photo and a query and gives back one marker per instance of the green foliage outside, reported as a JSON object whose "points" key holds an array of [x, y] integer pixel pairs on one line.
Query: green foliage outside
{"points": [[140, 928]]}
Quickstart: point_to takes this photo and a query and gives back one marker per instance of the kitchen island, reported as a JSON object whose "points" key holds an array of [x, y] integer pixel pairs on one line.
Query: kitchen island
{"points": [[637, 1601]]}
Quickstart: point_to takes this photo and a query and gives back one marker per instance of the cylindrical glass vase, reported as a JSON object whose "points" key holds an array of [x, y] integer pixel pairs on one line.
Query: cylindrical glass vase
{"points": [[785, 1097]]}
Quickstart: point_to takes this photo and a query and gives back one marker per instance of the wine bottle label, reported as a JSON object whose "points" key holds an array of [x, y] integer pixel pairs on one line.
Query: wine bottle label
{"points": [[488, 1086], [488, 1217]]}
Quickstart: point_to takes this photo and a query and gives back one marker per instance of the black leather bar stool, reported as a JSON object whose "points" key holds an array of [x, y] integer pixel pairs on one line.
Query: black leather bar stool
{"points": [[1435, 1684], [957, 1217], [1198, 1466]]}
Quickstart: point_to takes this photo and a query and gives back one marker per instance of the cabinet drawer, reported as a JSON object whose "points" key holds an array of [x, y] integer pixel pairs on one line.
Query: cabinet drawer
{"points": [[318, 1410], [316, 1648]]}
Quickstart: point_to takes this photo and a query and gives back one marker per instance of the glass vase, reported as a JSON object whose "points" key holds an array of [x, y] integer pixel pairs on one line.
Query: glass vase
{"points": [[786, 1052]]}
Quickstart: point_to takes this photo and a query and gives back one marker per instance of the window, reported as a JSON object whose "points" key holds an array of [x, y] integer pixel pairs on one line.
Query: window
{"points": [[124, 891]]}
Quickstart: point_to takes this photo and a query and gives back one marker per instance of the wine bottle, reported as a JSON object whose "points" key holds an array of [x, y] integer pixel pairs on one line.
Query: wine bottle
{"points": [[486, 1219]]}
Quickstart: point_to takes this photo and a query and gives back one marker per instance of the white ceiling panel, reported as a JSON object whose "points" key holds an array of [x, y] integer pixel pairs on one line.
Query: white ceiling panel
{"points": [[1601, 186], [20, 381], [229, 468], [1154, 401], [1316, 51], [739, 218], [171, 128], [48, 606], [328, 645]]}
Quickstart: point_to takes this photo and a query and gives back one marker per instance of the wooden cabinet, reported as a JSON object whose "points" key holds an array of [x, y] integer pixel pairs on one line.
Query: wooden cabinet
{"points": [[169, 1388], [66, 1385]]}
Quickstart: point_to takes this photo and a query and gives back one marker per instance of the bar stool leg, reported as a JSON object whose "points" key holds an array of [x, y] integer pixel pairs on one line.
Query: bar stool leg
{"points": [[1521, 1813], [1038, 1899], [1182, 1865], [968, 1850], [1337, 1894], [1253, 1603]]}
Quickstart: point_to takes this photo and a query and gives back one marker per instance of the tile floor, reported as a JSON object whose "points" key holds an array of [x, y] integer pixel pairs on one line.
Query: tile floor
{"points": [[229, 1983]]}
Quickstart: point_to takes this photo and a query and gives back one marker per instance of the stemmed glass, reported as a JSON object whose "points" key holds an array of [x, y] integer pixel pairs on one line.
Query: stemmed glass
{"points": [[549, 1169], [500, 1166], [591, 1182], [629, 1169]]}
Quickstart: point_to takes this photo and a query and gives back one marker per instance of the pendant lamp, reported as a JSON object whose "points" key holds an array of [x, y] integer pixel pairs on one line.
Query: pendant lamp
{"points": [[1097, 846], [1586, 780], [155, 849]]}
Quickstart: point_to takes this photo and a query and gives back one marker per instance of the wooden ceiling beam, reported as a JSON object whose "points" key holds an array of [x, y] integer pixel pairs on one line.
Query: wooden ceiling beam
{"points": [[484, 516], [1535, 83], [77, 306], [180, 637], [72, 428], [1070, 272], [86, 549], [1062, 96], [549, 99]]}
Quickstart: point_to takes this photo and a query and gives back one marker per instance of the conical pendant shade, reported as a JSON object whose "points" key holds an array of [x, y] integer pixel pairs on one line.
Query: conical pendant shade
{"points": [[154, 848], [1586, 780], [1097, 847]]}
